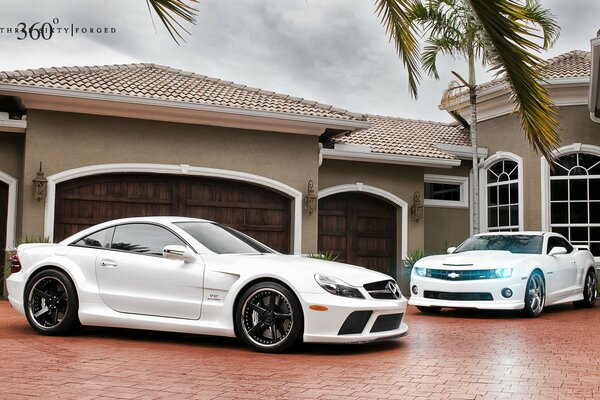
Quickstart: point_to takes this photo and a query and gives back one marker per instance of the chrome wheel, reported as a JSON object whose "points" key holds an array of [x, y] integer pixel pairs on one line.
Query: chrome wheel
{"points": [[535, 296], [51, 303], [590, 291], [269, 317]]}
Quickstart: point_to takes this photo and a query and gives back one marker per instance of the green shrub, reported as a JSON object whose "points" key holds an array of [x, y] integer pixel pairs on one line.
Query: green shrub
{"points": [[327, 256], [413, 257]]}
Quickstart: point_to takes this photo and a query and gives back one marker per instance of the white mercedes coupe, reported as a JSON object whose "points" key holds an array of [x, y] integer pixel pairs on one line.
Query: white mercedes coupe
{"points": [[506, 271], [196, 276]]}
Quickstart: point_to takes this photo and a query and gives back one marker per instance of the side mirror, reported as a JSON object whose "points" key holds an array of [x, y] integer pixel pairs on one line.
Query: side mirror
{"points": [[179, 253], [451, 250], [557, 250]]}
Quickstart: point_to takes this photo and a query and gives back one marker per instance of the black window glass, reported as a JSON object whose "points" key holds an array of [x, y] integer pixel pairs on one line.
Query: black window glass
{"points": [[562, 242], [99, 239], [493, 195], [563, 230], [558, 189], [514, 215], [579, 234], [565, 163], [578, 189], [588, 160], [514, 193], [493, 217], [595, 212], [223, 240], [595, 249], [503, 178], [594, 189], [559, 213], [503, 194], [442, 191], [511, 169], [579, 212], [595, 233], [578, 171], [145, 239], [503, 216]]}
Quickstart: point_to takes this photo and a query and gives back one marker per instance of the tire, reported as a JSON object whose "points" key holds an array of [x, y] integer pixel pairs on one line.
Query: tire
{"points": [[590, 291], [429, 310], [268, 318], [51, 303], [535, 295]]}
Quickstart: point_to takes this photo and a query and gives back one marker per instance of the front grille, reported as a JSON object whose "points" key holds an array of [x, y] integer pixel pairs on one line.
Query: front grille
{"points": [[461, 275], [458, 296], [387, 322], [355, 323], [380, 290]]}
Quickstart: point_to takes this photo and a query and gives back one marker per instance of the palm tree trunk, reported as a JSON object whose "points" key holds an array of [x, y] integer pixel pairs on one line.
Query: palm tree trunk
{"points": [[473, 129]]}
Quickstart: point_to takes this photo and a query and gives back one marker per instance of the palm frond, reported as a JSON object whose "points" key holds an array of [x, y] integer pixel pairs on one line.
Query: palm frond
{"points": [[402, 31], [169, 10], [511, 53], [543, 18]]}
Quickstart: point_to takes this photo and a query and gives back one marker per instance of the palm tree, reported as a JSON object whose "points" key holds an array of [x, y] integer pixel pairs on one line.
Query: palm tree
{"points": [[452, 28], [512, 47]]}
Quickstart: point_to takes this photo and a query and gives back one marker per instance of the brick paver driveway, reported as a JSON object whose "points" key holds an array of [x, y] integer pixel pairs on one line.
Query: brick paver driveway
{"points": [[457, 354]]}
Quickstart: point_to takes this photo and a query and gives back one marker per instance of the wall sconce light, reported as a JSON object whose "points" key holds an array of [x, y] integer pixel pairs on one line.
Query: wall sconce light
{"points": [[311, 199], [40, 184], [416, 211]]}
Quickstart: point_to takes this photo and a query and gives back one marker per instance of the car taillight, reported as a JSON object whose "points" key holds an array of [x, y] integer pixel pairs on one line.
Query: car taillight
{"points": [[15, 264]]}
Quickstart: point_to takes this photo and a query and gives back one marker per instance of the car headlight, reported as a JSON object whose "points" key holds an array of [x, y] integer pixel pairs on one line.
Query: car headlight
{"points": [[337, 286], [421, 271], [503, 272]]}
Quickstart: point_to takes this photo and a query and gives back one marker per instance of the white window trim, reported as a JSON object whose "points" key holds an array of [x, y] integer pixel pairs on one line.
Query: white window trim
{"points": [[545, 178], [11, 217], [361, 187], [463, 181], [483, 182], [174, 169]]}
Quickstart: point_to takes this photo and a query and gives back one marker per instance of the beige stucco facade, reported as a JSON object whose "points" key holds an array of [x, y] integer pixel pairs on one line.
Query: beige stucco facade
{"points": [[504, 134], [65, 141]]}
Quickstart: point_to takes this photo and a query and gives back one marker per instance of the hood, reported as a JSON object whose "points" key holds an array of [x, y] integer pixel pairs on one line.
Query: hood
{"points": [[481, 259], [351, 274]]}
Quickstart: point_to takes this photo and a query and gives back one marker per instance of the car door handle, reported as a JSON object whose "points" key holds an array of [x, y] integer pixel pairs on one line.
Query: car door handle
{"points": [[108, 263]]}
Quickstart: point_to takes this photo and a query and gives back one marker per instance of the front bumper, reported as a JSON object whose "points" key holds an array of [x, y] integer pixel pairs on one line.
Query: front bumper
{"points": [[377, 319], [458, 289]]}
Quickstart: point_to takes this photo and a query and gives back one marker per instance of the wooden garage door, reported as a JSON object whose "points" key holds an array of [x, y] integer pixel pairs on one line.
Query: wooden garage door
{"points": [[360, 229], [3, 220], [256, 211]]}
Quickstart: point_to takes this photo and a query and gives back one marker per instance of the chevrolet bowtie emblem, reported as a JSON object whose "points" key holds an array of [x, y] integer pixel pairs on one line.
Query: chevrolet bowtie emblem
{"points": [[453, 275]]}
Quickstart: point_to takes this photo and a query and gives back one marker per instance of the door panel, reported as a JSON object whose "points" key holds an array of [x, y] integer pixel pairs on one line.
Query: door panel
{"points": [[360, 229]]}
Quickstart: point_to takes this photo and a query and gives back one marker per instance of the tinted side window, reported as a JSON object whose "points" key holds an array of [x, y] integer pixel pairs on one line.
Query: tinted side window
{"points": [[144, 239], [99, 239], [555, 241]]}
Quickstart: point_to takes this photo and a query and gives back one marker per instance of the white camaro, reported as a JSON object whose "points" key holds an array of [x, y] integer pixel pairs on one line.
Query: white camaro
{"points": [[506, 271], [196, 276]]}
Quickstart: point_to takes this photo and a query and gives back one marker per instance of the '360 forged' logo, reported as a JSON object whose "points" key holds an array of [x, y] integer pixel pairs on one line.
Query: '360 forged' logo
{"points": [[47, 30]]}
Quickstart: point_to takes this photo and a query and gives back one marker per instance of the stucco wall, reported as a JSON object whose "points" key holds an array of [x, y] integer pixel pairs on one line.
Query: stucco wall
{"points": [[505, 134], [65, 141], [446, 226], [11, 153]]}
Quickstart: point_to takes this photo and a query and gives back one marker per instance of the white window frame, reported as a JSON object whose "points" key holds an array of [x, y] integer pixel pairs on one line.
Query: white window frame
{"points": [[462, 181], [483, 184], [545, 182]]}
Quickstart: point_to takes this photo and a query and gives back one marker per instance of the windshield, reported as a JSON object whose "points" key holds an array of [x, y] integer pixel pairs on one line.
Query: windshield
{"points": [[223, 240], [521, 244]]}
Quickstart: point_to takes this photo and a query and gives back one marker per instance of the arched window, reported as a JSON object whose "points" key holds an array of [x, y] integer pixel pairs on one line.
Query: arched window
{"points": [[502, 193], [575, 199]]}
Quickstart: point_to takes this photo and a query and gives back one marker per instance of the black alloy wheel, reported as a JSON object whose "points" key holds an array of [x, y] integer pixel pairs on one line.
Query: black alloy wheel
{"points": [[51, 303], [268, 318]]}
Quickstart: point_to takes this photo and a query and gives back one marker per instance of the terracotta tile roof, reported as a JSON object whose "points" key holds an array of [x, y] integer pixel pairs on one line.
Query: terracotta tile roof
{"points": [[574, 64], [407, 137], [153, 81]]}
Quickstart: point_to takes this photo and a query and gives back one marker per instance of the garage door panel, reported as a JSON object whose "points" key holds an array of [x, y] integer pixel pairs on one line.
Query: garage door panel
{"points": [[87, 201], [360, 228]]}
